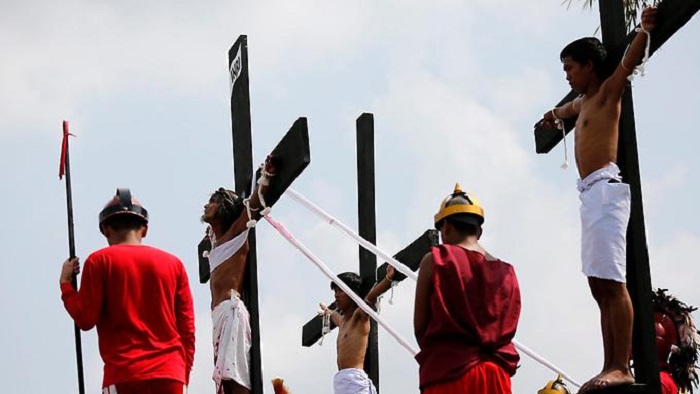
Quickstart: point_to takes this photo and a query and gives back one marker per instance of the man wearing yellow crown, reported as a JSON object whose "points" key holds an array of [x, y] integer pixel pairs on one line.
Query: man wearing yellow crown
{"points": [[467, 307]]}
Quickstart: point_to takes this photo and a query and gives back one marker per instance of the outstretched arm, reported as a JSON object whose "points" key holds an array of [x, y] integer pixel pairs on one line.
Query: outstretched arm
{"points": [[614, 86], [566, 111], [240, 224], [379, 288], [336, 318], [268, 172]]}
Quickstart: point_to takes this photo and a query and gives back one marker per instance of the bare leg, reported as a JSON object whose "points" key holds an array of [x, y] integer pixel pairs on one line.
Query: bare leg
{"points": [[616, 317], [231, 387], [604, 323]]}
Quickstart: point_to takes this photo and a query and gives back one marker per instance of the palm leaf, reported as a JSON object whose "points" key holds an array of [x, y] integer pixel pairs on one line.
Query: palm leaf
{"points": [[633, 9]]}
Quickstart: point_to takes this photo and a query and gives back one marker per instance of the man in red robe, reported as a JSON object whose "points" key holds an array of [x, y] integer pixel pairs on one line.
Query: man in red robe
{"points": [[467, 308]]}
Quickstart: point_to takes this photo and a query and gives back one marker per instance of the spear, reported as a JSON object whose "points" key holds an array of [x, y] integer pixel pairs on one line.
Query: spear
{"points": [[64, 169]]}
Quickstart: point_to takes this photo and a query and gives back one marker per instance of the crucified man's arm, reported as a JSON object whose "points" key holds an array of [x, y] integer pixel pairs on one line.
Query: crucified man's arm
{"points": [[566, 111], [240, 224], [379, 288], [269, 171], [336, 318], [614, 86]]}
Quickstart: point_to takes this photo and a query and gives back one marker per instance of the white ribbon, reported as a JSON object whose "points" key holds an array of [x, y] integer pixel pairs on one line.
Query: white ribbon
{"points": [[324, 268], [544, 362], [350, 233]]}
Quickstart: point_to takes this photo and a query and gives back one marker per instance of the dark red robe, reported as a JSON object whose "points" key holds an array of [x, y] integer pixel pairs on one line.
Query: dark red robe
{"points": [[475, 307]]}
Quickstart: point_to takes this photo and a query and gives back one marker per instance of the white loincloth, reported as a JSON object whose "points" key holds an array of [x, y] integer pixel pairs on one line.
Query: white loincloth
{"points": [[352, 381], [605, 212], [231, 342], [223, 252]]}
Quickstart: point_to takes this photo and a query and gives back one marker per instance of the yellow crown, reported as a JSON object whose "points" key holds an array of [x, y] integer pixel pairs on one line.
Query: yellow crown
{"points": [[556, 386], [468, 204]]}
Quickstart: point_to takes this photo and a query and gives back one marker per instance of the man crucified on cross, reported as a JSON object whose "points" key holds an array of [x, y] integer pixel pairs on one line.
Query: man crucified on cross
{"points": [[353, 332], [605, 200], [229, 217]]}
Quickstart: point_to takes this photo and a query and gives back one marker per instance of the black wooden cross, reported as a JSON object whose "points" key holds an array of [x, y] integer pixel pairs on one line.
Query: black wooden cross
{"points": [[291, 155], [671, 16], [410, 256]]}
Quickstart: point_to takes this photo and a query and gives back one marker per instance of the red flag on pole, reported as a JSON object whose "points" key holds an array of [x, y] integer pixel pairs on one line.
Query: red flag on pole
{"points": [[64, 147]]}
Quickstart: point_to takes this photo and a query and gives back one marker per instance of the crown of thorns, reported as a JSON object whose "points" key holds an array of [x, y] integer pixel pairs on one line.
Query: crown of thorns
{"points": [[227, 197]]}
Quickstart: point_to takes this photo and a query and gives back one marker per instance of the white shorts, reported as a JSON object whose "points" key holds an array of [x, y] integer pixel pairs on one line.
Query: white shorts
{"points": [[605, 212], [231, 343], [352, 381]]}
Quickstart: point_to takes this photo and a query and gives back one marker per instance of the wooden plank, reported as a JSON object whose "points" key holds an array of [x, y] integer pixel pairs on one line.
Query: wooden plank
{"points": [[411, 256], [292, 155], [203, 248], [672, 16], [646, 365], [367, 226], [243, 173]]}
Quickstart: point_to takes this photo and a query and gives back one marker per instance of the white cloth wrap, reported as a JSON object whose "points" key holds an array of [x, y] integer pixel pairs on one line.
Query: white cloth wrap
{"points": [[223, 252], [605, 212], [232, 341], [352, 381]]}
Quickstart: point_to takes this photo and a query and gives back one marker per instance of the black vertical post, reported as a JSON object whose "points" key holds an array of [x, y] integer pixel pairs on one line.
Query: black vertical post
{"points": [[243, 174], [368, 229], [71, 253], [646, 367]]}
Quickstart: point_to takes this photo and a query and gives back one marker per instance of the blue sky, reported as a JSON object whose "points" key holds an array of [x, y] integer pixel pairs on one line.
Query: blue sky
{"points": [[455, 87]]}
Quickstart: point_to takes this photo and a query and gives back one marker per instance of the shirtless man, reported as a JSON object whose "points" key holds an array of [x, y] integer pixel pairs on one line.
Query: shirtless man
{"points": [[228, 220], [353, 333], [605, 200]]}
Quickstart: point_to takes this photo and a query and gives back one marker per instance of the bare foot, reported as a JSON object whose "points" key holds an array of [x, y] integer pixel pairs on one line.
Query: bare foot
{"points": [[610, 378], [586, 386]]}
